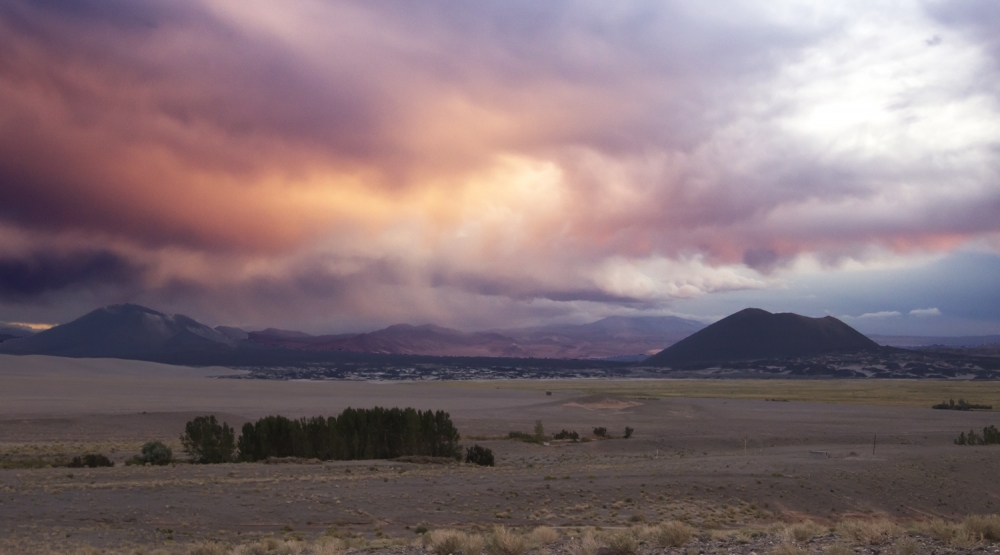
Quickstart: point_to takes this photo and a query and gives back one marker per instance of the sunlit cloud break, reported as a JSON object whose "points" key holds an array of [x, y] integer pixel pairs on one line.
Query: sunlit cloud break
{"points": [[346, 164]]}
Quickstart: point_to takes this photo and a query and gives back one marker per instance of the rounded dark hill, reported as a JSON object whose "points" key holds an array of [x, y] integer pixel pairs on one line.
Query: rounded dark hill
{"points": [[753, 334], [121, 331]]}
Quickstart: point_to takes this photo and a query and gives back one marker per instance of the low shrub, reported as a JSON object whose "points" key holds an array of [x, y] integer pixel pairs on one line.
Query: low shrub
{"points": [[566, 435], [482, 456], [984, 526], [521, 436], [621, 542], [585, 545], [156, 453], [601, 432], [628, 432], [90, 460], [672, 534], [543, 535], [803, 531], [503, 541], [870, 532], [446, 542]]}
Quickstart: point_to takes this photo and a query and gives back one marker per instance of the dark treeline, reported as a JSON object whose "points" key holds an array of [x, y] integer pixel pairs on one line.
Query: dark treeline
{"points": [[962, 404], [376, 433], [991, 436]]}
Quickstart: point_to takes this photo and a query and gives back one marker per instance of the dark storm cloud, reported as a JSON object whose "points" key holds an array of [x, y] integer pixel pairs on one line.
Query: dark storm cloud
{"points": [[24, 278]]}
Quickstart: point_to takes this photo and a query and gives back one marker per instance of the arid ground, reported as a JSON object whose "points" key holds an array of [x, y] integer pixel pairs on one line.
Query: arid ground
{"points": [[749, 454]]}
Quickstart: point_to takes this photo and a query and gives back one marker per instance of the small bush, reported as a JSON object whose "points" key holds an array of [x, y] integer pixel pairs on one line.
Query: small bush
{"points": [[503, 541], [672, 534], [482, 456], [445, 542], [521, 436], [839, 549], [539, 431], [991, 436], [601, 432], [907, 546], [566, 435], [90, 460], [804, 531], [156, 453], [628, 432], [585, 545], [207, 442], [621, 542], [543, 535], [870, 532]]}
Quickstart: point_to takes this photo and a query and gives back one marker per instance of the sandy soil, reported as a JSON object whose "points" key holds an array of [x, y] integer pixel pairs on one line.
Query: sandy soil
{"points": [[716, 463]]}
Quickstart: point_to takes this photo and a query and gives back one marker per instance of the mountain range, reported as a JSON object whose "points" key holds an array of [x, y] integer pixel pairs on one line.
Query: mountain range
{"points": [[754, 334], [133, 331]]}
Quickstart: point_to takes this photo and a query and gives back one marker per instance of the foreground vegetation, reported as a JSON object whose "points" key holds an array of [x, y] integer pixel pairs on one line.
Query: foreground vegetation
{"points": [[845, 537]]}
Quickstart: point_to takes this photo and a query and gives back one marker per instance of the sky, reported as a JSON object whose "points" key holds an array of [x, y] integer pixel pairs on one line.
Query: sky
{"points": [[335, 166]]}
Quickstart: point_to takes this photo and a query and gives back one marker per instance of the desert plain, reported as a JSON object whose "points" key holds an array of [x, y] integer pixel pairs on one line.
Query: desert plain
{"points": [[723, 456]]}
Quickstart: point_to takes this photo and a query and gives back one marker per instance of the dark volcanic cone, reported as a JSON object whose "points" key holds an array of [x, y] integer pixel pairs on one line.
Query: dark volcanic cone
{"points": [[122, 331], [753, 333]]}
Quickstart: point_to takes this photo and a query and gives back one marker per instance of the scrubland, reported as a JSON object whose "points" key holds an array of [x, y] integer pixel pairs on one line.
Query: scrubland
{"points": [[699, 475]]}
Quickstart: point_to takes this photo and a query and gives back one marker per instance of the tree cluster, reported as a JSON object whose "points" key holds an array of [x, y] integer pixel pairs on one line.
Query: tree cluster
{"points": [[962, 404], [991, 436], [377, 433]]}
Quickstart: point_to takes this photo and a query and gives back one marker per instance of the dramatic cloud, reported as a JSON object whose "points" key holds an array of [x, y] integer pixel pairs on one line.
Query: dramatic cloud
{"points": [[345, 163]]}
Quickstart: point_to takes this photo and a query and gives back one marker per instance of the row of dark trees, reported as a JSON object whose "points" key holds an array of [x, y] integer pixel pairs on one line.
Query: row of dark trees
{"points": [[962, 404], [377, 433], [991, 436]]}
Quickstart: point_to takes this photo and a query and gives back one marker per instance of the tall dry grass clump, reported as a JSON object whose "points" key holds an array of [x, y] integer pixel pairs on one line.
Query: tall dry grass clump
{"points": [[672, 533], [986, 527], [586, 544], [839, 549], [446, 542], [620, 542], [803, 531], [877, 531], [504, 541], [542, 536]]}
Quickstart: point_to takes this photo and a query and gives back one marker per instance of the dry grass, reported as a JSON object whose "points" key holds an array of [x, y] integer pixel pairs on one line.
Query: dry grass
{"points": [[804, 531], [787, 548], [586, 544], [503, 541], [210, 548], [620, 542], [542, 536], [877, 531], [896, 393], [986, 527], [446, 542], [671, 534], [907, 546], [839, 549]]}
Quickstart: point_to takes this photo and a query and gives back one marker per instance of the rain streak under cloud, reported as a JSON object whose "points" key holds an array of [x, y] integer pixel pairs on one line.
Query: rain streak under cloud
{"points": [[345, 165]]}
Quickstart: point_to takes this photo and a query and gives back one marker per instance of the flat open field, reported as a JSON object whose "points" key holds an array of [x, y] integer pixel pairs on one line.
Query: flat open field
{"points": [[712, 453]]}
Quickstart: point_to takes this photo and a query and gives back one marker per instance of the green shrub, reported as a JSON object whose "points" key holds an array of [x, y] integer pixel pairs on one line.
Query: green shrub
{"points": [[207, 442], [90, 460], [601, 432], [566, 435], [482, 456], [156, 453]]}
